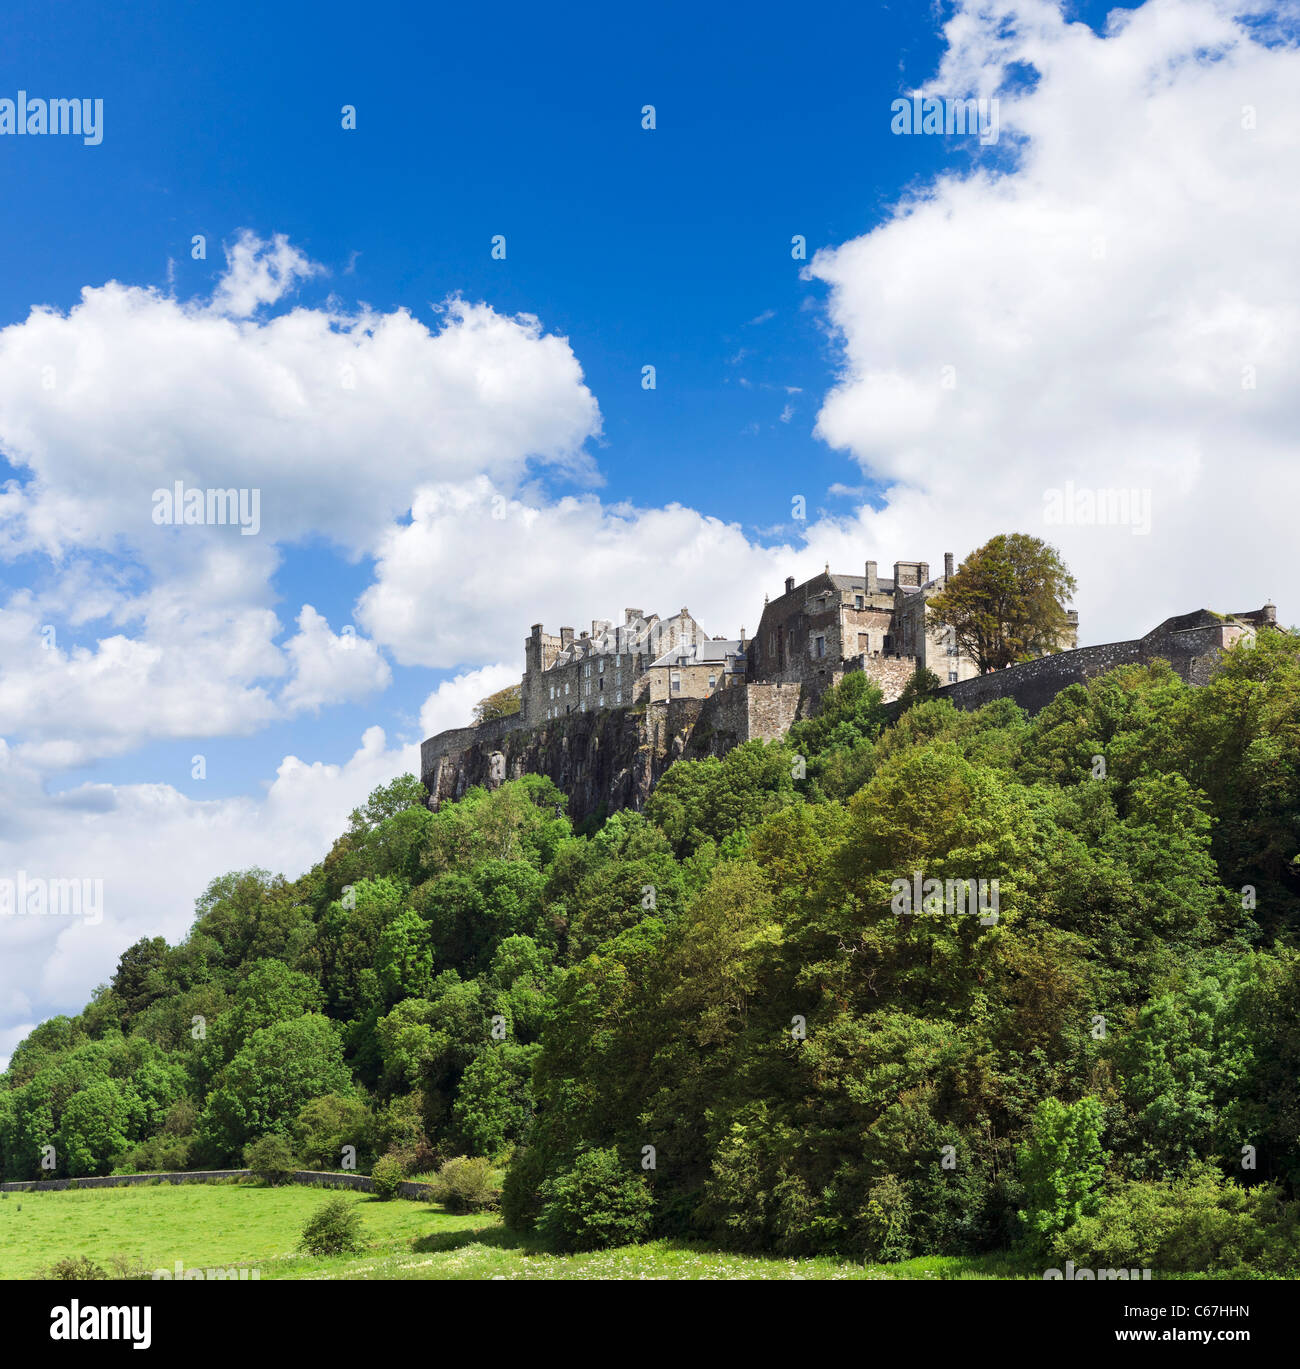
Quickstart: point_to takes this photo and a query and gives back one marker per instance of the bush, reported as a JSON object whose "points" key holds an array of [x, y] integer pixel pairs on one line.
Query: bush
{"points": [[270, 1159], [74, 1267], [597, 1202], [385, 1175], [520, 1203], [334, 1229], [467, 1184], [1199, 1223]]}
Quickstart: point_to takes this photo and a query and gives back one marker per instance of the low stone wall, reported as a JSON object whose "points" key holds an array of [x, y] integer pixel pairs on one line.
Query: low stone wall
{"points": [[313, 1178], [1193, 655]]}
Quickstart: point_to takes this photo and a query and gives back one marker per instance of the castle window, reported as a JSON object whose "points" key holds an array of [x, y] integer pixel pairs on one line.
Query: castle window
{"points": [[952, 677], [676, 682], [566, 686], [602, 665], [713, 681], [819, 647], [857, 601], [602, 686], [618, 697]]}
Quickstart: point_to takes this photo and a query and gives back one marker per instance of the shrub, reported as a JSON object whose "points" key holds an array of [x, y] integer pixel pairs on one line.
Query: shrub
{"points": [[1199, 1223], [885, 1219], [385, 1175], [598, 1201], [467, 1184], [1062, 1166], [74, 1267], [520, 1203], [334, 1228], [270, 1159]]}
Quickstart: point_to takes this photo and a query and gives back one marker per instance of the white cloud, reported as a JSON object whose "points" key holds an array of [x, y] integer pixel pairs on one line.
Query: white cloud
{"points": [[466, 578], [452, 703], [155, 851], [335, 418], [259, 273], [1098, 306], [331, 669]]}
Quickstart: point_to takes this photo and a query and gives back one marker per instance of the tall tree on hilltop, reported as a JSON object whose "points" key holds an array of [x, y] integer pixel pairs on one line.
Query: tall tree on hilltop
{"points": [[1007, 602]]}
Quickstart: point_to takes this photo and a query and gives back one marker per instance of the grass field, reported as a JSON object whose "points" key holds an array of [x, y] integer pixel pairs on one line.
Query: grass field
{"points": [[224, 1225]]}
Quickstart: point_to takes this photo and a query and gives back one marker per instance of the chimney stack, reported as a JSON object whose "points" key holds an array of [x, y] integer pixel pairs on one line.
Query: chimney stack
{"points": [[789, 584], [566, 637], [947, 565], [873, 585]]}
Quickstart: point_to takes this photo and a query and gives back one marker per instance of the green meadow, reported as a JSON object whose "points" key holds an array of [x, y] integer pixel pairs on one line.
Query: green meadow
{"points": [[227, 1225]]}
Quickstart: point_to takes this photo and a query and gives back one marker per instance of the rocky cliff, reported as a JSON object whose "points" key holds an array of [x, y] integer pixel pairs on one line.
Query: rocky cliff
{"points": [[604, 761]]}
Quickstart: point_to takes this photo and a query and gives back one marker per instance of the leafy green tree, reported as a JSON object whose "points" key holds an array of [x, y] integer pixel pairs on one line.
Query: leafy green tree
{"points": [[140, 975], [96, 1126], [503, 704], [273, 1075], [404, 959], [324, 1126], [1006, 603], [922, 685], [334, 1228], [386, 1175], [1062, 1165]]}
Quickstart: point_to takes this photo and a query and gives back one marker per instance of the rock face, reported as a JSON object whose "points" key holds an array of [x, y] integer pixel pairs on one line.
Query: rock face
{"points": [[610, 759], [604, 761]]}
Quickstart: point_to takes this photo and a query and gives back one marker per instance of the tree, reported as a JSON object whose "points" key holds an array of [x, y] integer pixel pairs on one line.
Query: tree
{"points": [[1062, 1166], [139, 978], [1005, 604], [270, 1159], [502, 704], [599, 1201], [924, 684], [334, 1229], [272, 1077]]}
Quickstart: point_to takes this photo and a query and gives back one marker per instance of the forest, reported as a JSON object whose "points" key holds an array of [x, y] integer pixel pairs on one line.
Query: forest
{"points": [[710, 1020]]}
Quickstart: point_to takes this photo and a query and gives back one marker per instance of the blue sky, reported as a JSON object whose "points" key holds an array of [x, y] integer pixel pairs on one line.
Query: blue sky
{"points": [[1105, 365], [669, 247]]}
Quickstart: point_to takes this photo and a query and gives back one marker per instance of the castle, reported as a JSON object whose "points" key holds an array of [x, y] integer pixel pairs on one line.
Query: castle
{"points": [[809, 636], [606, 712]]}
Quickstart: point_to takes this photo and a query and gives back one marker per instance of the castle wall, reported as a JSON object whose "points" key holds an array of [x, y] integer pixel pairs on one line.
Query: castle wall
{"points": [[1192, 653]]}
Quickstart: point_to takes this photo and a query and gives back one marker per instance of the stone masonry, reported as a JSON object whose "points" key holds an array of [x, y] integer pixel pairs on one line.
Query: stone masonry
{"points": [[604, 715]]}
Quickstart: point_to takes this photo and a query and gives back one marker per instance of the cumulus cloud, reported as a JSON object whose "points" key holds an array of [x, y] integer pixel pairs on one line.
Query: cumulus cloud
{"points": [[335, 418], [152, 848], [1117, 310], [452, 703], [331, 668], [554, 559]]}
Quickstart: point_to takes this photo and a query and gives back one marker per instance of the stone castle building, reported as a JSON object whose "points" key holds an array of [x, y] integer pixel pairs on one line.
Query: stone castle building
{"points": [[606, 713], [619, 666], [809, 636]]}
